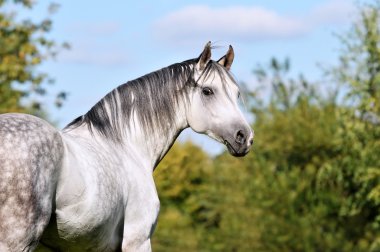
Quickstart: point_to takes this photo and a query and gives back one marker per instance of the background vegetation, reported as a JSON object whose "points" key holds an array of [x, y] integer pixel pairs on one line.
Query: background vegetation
{"points": [[312, 181], [24, 45]]}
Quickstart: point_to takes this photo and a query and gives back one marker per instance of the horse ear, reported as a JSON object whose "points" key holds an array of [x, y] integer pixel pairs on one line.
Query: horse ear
{"points": [[227, 59], [205, 56]]}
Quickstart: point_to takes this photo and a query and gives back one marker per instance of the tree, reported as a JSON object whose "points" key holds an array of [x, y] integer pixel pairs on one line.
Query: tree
{"points": [[23, 47], [179, 178], [359, 68], [322, 154]]}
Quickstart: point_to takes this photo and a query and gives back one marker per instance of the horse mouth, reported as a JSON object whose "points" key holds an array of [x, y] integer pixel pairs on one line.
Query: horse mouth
{"points": [[233, 151]]}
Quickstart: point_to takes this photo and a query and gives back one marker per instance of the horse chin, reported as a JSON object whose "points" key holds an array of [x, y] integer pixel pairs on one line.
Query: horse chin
{"points": [[234, 152]]}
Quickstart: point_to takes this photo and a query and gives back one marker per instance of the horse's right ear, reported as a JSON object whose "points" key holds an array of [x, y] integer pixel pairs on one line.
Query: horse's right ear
{"points": [[205, 56]]}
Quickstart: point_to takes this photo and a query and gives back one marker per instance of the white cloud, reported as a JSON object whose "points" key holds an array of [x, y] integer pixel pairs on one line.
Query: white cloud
{"points": [[245, 23], [248, 23]]}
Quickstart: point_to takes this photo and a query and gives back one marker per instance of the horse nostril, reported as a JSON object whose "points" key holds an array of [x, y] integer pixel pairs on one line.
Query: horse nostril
{"points": [[240, 137], [251, 141]]}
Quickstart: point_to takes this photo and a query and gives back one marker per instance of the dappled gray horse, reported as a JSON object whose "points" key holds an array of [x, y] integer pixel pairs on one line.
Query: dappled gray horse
{"points": [[89, 187]]}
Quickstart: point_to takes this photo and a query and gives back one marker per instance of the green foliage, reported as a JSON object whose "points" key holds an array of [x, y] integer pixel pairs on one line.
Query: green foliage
{"points": [[359, 67], [312, 181], [318, 158], [180, 177], [24, 46]]}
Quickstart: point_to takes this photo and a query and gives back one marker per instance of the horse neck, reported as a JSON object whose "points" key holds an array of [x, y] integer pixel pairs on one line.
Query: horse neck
{"points": [[142, 117], [152, 146], [148, 147]]}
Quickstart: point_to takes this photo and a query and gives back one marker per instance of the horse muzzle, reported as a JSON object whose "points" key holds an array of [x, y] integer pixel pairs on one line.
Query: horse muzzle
{"points": [[241, 143]]}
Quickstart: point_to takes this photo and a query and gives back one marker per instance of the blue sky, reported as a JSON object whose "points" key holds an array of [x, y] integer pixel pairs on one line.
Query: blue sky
{"points": [[116, 41]]}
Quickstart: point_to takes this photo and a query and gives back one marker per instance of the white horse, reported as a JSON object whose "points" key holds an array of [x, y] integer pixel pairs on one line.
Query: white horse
{"points": [[89, 187]]}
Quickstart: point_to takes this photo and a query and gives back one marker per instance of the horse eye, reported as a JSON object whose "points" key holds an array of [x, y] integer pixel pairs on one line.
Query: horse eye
{"points": [[207, 91]]}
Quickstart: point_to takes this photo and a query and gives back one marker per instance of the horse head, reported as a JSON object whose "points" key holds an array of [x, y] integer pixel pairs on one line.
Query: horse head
{"points": [[214, 108]]}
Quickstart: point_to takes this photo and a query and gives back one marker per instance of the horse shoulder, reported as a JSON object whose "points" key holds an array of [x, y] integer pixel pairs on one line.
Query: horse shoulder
{"points": [[89, 204]]}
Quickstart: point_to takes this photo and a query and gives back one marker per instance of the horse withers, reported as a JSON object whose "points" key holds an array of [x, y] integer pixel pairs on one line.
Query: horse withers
{"points": [[89, 187]]}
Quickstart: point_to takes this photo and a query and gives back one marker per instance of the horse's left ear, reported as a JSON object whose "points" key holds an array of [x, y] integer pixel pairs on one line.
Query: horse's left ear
{"points": [[205, 56], [227, 59]]}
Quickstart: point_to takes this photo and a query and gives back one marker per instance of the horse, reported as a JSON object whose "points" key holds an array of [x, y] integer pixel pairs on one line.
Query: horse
{"points": [[89, 187]]}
